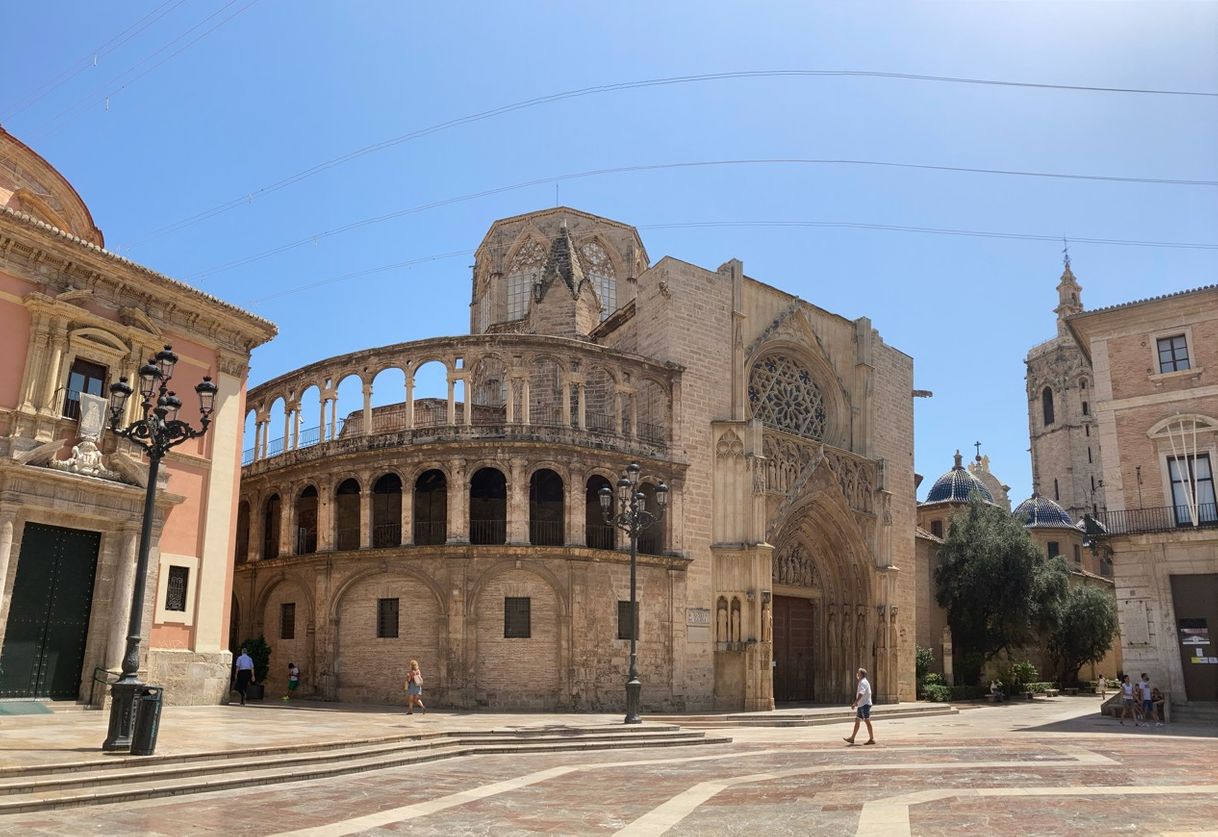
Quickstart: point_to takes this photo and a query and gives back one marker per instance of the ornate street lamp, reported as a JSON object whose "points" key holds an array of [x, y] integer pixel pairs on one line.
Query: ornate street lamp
{"points": [[158, 430], [633, 517]]}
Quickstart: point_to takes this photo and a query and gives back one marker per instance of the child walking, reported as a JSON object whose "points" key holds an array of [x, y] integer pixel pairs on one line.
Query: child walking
{"points": [[414, 688], [293, 680]]}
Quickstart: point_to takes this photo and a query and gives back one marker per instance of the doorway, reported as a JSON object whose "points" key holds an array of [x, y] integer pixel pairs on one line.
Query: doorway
{"points": [[48, 617], [1195, 599], [793, 643]]}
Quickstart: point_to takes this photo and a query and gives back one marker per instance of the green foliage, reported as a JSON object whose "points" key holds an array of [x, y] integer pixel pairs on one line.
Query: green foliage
{"points": [[260, 653], [924, 658], [937, 693], [933, 678], [1020, 674], [998, 590], [1086, 624]]}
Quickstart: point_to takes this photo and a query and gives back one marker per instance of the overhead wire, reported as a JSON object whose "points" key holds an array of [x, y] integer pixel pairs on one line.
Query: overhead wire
{"points": [[378, 219], [91, 60], [536, 101], [105, 90], [852, 225]]}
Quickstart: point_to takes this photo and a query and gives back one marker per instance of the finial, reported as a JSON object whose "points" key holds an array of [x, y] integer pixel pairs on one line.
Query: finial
{"points": [[959, 466], [977, 445], [1065, 252]]}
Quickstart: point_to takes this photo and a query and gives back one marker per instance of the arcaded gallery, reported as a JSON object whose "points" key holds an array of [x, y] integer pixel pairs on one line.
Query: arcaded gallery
{"points": [[467, 532]]}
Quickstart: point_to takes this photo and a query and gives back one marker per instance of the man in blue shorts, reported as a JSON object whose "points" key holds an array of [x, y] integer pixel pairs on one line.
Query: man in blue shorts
{"points": [[862, 708]]}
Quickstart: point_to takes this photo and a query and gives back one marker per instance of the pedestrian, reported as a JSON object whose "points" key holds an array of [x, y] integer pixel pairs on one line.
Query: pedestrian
{"points": [[862, 708], [293, 680], [1101, 688], [1148, 700], [245, 674], [414, 688], [1158, 699], [1127, 707]]}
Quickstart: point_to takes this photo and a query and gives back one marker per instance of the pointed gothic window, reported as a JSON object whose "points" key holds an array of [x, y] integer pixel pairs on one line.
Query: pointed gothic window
{"points": [[599, 270], [1046, 399], [783, 394], [526, 269]]}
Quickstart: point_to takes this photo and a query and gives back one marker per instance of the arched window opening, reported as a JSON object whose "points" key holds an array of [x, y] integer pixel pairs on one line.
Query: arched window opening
{"points": [[545, 508], [525, 270], [598, 268], [430, 508], [783, 394], [1046, 400], [270, 527], [651, 541], [306, 521], [387, 511], [488, 507], [936, 528], [346, 515], [598, 534], [243, 532]]}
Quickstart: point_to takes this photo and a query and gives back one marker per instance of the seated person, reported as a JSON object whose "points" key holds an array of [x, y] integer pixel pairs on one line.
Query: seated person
{"points": [[996, 689], [1157, 699]]}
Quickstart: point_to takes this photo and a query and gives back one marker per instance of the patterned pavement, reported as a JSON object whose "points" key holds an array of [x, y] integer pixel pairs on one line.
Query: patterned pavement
{"points": [[1052, 767]]}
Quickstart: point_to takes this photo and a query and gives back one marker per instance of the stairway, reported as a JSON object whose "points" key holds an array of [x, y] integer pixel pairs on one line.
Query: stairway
{"points": [[1195, 712], [810, 717], [123, 778]]}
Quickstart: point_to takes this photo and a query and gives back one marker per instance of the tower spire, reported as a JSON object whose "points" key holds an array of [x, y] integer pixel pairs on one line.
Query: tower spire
{"points": [[1069, 292]]}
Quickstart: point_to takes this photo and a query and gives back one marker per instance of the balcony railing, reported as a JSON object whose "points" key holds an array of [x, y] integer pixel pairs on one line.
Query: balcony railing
{"points": [[1161, 519], [386, 535], [348, 537], [487, 531], [430, 532], [545, 532], [600, 537], [306, 541]]}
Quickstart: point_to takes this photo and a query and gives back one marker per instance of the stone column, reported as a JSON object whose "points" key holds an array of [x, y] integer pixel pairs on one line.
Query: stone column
{"points": [[409, 403], [287, 426], [34, 357], [120, 599], [634, 414], [295, 425], [525, 406], [518, 503], [574, 501], [458, 502], [334, 416], [468, 404], [59, 344], [287, 520], [325, 517], [321, 420], [617, 410], [407, 514], [451, 414], [8, 520], [368, 408], [365, 511]]}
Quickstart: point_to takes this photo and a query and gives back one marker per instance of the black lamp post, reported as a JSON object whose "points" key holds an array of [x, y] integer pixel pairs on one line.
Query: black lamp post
{"points": [[633, 517], [156, 432]]}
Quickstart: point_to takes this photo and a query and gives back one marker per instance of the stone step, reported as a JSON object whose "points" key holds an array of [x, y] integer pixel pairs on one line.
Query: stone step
{"points": [[96, 786], [787, 718]]}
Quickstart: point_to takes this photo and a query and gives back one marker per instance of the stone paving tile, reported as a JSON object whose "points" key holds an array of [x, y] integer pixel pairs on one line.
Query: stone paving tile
{"points": [[1045, 816]]}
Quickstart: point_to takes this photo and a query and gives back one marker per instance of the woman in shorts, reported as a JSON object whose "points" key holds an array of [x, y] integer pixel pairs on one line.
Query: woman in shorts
{"points": [[414, 688], [1127, 703]]}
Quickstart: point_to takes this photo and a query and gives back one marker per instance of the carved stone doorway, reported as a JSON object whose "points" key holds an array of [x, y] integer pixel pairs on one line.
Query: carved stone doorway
{"points": [[794, 641]]}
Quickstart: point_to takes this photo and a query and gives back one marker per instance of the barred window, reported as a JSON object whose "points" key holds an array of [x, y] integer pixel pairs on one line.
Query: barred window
{"points": [[516, 623], [175, 589], [623, 620], [287, 620], [387, 618]]}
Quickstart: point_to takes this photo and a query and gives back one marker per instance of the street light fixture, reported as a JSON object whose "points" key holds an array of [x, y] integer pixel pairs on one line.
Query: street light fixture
{"points": [[158, 430], [633, 517]]}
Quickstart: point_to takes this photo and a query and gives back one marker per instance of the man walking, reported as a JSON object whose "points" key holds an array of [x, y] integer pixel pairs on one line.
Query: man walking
{"points": [[245, 674], [862, 708]]}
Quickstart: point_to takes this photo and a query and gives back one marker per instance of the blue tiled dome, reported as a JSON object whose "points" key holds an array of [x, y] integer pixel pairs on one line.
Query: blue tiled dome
{"points": [[1037, 511], [957, 485]]}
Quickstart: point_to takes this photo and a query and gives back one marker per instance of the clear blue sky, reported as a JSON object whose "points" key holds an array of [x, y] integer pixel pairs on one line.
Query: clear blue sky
{"points": [[283, 86]]}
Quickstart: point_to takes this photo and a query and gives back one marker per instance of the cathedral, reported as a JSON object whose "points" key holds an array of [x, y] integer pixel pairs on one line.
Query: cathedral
{"points": [[466, 531]]}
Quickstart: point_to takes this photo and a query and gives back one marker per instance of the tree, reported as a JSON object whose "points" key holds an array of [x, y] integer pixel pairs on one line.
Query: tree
{"points": [[996, 587], [1086, 624]]}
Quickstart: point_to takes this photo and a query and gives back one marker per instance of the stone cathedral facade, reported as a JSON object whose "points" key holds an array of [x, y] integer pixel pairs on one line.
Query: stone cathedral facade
{"points": [[464, 531]]}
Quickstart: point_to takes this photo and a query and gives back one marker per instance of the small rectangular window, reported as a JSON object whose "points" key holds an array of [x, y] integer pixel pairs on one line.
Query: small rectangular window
{"points": [[1078, 554], [175, 589], [287, 620], [1054, 549], [84, 376], [1087, 430], [1086, 409], [623, 621], [386, 618], [516, 617], [1173, 353], [1088, 456]]}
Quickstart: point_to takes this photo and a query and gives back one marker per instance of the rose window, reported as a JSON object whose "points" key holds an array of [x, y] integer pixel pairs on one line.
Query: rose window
{"points": [[783, 395]]}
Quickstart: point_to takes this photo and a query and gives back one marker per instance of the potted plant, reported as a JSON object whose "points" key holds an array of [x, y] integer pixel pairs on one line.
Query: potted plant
{"points": [[260, 653]]}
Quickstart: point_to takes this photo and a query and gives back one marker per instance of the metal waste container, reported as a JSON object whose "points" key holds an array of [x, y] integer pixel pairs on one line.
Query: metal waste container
{"points": [[147, 720]]}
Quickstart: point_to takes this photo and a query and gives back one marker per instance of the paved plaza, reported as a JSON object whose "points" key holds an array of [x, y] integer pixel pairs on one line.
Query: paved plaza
{"points": [[1048, 767]]}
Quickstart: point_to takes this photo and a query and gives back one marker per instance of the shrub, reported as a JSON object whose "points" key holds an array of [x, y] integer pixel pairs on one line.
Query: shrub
{"points": [[1018, 675], [924, 658], [937, 693], [260, 653], [933, 678]]}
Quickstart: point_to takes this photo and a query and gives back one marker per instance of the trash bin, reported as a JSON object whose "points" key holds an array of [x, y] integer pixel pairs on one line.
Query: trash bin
{"points": [[147, 720]]}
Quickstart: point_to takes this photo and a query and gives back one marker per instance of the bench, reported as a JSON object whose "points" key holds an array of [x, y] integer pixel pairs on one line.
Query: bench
{"points": [[1071, 692], [1052, 692], [993, 697]]}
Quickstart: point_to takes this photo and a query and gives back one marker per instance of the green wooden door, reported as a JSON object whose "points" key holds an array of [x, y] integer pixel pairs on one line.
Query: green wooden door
{"points": [[48, 617]]}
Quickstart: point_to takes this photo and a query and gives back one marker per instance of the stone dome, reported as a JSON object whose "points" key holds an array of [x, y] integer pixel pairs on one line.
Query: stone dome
{"points": [[957, 485], [1037, 512]]}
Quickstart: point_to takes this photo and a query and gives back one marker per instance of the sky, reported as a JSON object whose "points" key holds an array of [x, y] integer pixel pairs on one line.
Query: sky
{"points": [[159, 111]]}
